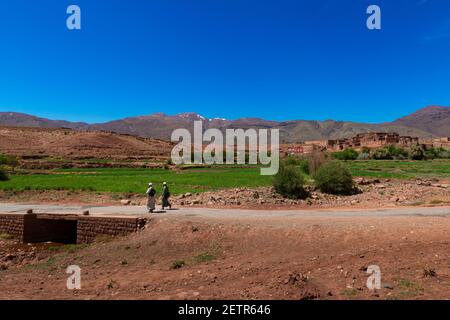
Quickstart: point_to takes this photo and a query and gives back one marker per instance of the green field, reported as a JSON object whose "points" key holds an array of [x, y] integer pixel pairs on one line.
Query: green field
{"points": [[202, 179], [136, 180], [401, 169]]}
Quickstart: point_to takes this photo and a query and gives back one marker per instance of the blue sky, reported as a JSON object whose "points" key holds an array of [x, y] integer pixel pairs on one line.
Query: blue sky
{"points": [[280, 60]]}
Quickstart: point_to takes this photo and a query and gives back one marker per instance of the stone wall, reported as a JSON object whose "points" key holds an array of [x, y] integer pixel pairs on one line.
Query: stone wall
{"points": [[66, 228], [90, 228], [12, 224]]}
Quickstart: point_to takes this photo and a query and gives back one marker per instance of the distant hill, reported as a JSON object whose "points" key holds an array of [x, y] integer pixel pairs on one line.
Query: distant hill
{"points": [[15, 119], [423, 123], [433, 119], [72, 144]]}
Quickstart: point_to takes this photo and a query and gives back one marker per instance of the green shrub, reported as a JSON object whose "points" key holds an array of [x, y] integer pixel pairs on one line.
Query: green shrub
{"points": [[347, 154], [3, 175], [334, 178], [8, 160], [389, 152], [381, 154], [289, 182], [301, 163], [397, 152], [364, 156], [436, 153], [416, 152]]}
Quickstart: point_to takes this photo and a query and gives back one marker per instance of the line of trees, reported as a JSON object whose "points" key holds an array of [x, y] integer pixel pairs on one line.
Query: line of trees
{"points": [[392, 152]]}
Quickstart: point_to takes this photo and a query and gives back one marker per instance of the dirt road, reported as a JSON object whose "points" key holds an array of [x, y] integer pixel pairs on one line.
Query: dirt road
{"points": [[224, 213]]}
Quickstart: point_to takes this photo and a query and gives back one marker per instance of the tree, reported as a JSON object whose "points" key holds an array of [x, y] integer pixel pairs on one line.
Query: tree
{"points": [[416, 152]]}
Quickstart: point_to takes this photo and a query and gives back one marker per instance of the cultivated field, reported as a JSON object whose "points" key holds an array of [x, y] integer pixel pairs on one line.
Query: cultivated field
{"points": [[126, 180]]}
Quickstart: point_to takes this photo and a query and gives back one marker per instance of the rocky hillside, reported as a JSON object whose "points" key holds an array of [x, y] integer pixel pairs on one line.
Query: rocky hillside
{"points": [[72, 144], [423, 123], [433, 119]]}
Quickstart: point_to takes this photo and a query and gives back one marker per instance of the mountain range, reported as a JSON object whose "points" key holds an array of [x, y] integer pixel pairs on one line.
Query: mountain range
{"points": [[426, 122]]}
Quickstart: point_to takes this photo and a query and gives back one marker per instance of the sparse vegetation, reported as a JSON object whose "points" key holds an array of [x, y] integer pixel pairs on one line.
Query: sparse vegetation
{"points": [[289, 182], [429, 272], [5, 236], [205, 257], [409, 288], [112, 284], [347, 154], [177, 264], [3, 175], [334, 178], [301, 163], [350, 293], [69, 248]]}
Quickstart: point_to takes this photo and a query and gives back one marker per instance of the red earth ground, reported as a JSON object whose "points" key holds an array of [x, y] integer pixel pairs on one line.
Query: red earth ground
{"points": [[291, 257]]}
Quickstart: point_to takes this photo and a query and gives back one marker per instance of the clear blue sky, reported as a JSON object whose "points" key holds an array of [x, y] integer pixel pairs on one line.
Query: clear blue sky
{"points": [[283, 59]]}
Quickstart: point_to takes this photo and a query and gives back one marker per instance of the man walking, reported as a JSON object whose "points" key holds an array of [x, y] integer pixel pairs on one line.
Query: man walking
{"points": [[151, 202], [165, 196]]}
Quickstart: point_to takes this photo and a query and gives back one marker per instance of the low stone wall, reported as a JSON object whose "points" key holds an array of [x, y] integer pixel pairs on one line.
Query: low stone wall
{"points": [[66, 228], [12, 224], [90, 228]]}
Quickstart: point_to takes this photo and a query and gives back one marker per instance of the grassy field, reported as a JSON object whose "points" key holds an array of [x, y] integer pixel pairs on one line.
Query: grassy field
{"points": [[136, 180], [401, 169], [203, 179]]}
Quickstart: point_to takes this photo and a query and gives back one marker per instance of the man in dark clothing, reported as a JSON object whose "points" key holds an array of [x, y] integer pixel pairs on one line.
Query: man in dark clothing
{"points": [[165, 197]]}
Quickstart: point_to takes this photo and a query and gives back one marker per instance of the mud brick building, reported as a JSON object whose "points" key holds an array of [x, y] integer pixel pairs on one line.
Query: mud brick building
{"points": [[371, 140], [441, 142]]}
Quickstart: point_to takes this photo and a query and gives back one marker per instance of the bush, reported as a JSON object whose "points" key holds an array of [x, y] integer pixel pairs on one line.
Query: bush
{"points": [[334, 178], [381, 154], [347, 154], [8, 160], [301, 163], [3, 175], [397, 152], [436, 153], [416, 152], [364, 156], [289, 182]]}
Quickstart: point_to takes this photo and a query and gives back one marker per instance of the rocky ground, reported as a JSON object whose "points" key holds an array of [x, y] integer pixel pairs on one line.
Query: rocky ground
{"points": [[374, 193]]}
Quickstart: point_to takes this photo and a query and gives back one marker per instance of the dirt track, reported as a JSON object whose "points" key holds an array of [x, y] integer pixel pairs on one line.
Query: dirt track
{"points": [[249, 254]]}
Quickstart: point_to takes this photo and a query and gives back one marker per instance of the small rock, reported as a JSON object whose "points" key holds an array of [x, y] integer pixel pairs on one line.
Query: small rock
{"points": [[125, 202], [388, 286]]}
